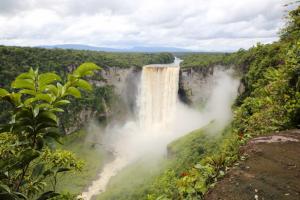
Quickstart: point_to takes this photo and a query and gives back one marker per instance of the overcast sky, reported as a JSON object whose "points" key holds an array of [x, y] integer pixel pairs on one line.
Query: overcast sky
{"points": [[207, 25]]}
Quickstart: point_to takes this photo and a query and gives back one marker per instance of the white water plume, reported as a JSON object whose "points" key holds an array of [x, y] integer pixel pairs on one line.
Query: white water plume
{"points": [[161, 118]]}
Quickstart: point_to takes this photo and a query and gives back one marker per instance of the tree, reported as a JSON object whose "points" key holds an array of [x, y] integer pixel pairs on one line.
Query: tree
{"points": [[291, 31], [27, 154]]}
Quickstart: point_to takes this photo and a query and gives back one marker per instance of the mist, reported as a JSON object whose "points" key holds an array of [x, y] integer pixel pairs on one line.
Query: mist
{"points": [[128, 141]]}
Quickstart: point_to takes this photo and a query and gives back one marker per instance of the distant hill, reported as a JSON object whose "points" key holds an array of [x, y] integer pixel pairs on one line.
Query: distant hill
{"points": [[133, 49]]}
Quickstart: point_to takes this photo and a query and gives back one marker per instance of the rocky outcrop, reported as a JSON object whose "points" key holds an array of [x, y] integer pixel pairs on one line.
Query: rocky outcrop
{"points": [[194, 84], [125, 82], [271, 170]]}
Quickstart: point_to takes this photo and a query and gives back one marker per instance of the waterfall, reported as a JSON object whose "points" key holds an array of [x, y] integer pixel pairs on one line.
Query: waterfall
{"points": [[156, 103], [158, 95]]}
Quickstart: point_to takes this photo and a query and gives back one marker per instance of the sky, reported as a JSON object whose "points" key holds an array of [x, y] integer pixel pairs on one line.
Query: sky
{"points": [[202, 25]]}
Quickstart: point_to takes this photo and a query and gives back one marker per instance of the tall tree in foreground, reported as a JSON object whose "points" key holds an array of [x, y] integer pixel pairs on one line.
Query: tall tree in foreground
{"points": [[28, 159]]}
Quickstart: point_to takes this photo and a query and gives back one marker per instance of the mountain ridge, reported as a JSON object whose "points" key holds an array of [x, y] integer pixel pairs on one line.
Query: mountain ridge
{"points": [[132, 49]]}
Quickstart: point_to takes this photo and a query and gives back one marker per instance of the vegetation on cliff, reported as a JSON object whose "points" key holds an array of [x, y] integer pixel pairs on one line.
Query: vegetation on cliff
{"points": [[201, 60]]}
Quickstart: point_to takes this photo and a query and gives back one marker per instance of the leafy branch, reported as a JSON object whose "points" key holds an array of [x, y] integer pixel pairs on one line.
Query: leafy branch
{"points": [[36, 100]]}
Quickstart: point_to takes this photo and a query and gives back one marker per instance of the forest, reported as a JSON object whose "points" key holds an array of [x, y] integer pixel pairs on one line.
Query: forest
{"points": [[43, 92]]}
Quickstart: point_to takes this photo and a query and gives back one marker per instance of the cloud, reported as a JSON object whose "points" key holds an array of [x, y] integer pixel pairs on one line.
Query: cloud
{"points": [[198, 24]]}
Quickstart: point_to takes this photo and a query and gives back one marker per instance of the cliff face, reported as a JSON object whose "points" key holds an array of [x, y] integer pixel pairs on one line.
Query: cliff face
{"points": [[195, 85], [125, 82], [124, 87]]}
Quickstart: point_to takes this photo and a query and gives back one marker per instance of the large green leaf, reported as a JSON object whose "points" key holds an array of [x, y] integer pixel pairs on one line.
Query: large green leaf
{"points": [[54, 135], [57, 110], [43, 124], [51, 88], [14, 98], [27, 91], [61, 102], [29, 101], [47, 78], [86, 69], [24, 113], [47, 115], [83, 85], [45, 106], [23, 84], [3, 92], [27, 75], [74, 92], [44, 97]]}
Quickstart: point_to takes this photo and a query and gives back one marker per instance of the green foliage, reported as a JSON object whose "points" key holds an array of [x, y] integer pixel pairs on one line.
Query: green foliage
{"points": [[192, 179], [273, 103], [164, 187], [292, 29], [28, 157], [201, 60]]}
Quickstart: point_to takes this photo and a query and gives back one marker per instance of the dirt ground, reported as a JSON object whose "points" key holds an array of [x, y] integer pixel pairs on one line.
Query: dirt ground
{"points": [[270, 172]]}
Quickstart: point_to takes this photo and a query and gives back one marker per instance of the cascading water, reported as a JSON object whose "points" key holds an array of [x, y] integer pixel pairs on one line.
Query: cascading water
{"points": [[156, 103], [158, 95]]}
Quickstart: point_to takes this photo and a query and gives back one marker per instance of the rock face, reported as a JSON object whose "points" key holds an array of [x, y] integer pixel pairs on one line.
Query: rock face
{"points": [[125, 82], [271, 171], [194, 84]]}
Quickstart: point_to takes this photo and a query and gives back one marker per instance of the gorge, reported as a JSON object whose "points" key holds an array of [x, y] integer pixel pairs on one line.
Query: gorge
{"points": [[160, 118]]}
